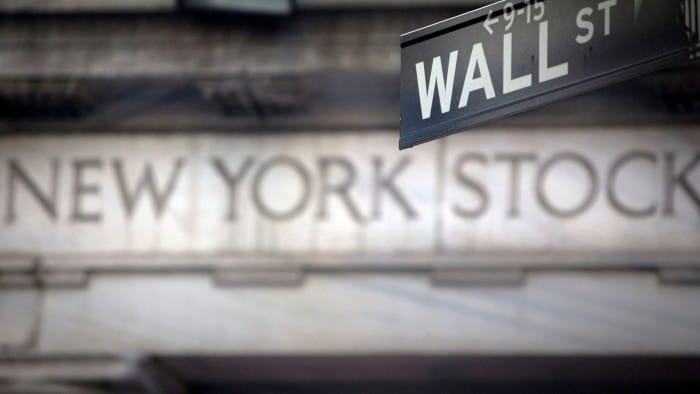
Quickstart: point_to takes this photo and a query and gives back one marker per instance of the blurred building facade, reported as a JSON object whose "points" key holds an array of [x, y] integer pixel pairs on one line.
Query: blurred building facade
{"points": [[208, 195]]}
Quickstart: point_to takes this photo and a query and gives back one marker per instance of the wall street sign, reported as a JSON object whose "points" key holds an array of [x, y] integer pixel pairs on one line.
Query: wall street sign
{"points": [[513, 56]]}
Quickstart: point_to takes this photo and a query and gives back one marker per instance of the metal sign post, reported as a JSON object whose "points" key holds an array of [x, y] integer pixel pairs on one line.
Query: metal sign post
{"points": [[513, 56]]}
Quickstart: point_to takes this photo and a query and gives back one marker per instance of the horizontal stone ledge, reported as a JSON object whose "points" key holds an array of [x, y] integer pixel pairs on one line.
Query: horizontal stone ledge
{"points": [[193, 262], [478, 277], [259, 277], [280, 275], [17, 263], [62, 368], [679, 277], [14, 281]]}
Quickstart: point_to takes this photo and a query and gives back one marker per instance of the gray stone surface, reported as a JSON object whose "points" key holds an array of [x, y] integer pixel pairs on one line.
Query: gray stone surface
{"points": [[19, 318], [575, 313]]}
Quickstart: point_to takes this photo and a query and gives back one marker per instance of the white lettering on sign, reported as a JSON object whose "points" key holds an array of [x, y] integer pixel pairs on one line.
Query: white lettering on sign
{"points": [[584, 22], [426, 91], [586, 25], [511, 85], [605, 7], [589, 21], [478, 75], [548, 73], [477, 62]]}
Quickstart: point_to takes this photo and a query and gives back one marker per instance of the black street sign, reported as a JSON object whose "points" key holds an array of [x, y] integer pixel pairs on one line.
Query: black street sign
{"points": [[513, 56]]}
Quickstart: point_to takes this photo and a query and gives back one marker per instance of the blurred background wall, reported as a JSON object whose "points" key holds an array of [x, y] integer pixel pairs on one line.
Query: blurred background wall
{"points": [[207, 196]]}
